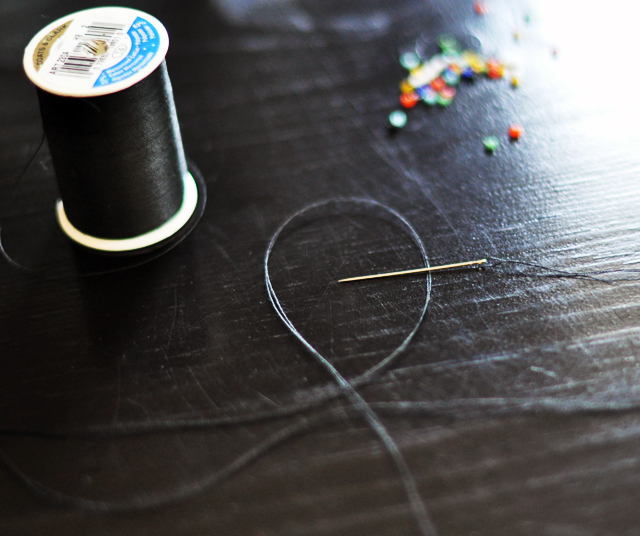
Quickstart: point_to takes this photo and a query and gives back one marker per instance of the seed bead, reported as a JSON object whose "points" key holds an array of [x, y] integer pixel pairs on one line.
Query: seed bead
{"points": [[515, 131], [409, 100], [447, 92], [409, 60], [397, 119], [430, 96], [438, 84], [491, 143]]}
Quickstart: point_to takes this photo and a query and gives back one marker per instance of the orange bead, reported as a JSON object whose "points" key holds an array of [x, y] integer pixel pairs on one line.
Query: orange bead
{"points": [[495, 69], [515, 131], [409, 100], [438, 84]]}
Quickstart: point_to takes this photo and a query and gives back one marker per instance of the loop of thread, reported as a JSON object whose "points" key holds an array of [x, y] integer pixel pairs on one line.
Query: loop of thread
{"points": [[347, 388]]}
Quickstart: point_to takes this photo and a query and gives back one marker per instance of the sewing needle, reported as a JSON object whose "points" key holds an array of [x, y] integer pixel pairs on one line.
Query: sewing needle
{"points": [[416, 271]]}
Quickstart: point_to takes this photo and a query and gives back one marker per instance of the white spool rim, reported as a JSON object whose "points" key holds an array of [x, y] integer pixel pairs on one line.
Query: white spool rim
{"points": [[166, 230], [80, 89]]}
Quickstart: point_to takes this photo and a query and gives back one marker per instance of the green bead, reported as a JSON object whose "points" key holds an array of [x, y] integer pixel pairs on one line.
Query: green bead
{"points": [[397, 119], [443, 101], [448, 43], [491, 143]]}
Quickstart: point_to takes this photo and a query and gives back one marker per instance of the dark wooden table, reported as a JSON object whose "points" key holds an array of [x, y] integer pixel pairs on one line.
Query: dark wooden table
{"points": [[282, 105]]}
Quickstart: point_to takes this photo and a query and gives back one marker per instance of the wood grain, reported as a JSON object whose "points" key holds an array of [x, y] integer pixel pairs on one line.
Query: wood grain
{"points": [[283, 107]]}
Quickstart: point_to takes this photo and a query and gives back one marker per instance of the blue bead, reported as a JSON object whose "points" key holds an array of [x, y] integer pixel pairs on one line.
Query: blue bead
{"points": [[467, 73], [421, 91]]}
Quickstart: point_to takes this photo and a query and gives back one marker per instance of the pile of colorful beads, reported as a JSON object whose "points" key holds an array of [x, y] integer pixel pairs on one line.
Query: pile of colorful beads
{"points": [[434, 81]]}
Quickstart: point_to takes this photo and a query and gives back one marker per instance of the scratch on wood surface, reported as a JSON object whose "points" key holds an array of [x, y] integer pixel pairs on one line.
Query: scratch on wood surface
{"points": [[119, 388], [175, 313], [202, 389]]}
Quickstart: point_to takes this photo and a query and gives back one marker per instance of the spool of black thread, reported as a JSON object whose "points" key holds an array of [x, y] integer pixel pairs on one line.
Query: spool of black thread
{"points": [[110, 120]]}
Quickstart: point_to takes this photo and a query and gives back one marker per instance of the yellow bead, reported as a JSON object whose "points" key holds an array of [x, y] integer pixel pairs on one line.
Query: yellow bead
{"points": [[477, 65], [467, 55], [514, 81], [406, 87], [475, 61]]}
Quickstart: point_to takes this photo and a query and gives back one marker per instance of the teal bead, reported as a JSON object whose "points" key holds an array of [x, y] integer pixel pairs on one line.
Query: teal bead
{"points": [[430, 96], [409, 60], [397, 119], [451, 78]]}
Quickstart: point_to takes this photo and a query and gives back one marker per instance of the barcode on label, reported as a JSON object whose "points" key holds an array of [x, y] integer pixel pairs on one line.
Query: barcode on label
{"points": [[74, 66], [103, 29], [87, 47], [97, 38]]}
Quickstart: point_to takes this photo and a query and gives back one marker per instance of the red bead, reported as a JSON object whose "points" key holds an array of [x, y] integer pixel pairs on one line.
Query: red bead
{"points": [[480, 7], [438, 84], [515, 131], [409, 100], [447, 92]]}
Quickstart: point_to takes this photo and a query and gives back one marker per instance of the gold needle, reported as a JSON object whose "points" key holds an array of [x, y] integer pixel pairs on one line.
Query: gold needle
{"points": [[416, 271]]}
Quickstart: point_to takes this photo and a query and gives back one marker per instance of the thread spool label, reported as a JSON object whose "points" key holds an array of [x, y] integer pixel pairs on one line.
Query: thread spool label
{"points": [[96, 52], [140, 46]]}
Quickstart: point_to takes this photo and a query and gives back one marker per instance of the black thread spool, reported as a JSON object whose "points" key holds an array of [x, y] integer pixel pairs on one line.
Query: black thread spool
{"points": [[110, 120]]}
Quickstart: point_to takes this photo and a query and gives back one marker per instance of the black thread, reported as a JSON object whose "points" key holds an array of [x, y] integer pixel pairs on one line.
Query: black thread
{"points": [[555, 272], [14, 189], [348, 388], [118, 158], [357, 409]]}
